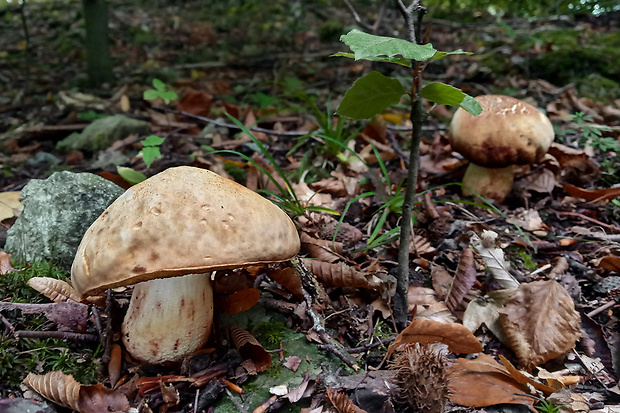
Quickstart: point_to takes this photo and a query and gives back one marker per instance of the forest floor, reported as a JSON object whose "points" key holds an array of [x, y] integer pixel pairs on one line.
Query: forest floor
{"points": [[270, 67]]}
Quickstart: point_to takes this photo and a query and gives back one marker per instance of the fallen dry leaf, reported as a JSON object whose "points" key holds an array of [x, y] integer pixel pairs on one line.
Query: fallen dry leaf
{"points": [[592, 194], [241, 301], [484, 382], [250, 349], [464, 279], [5, 263], [63, 389], [322, 250], [437, 312], [523, 379], [420, 296], [611, 263], [196, 102], [288, 278], [457, 337], [341, 402], [10, 205], [540, 322], [341, 275], [485, 310], [54, 289]]}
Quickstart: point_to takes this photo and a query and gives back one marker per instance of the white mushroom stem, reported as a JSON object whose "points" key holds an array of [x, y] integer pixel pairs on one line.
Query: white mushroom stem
{"points": [[168, 318], [494, 183]]}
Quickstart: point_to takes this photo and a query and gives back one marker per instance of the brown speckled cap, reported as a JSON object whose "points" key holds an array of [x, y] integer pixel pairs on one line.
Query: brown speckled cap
{"points": [[507, 132], [183, 220]]}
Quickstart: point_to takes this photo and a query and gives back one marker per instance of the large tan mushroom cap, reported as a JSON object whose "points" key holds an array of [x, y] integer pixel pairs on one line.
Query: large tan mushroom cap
{"points": [[183, 220], [507, 132]]}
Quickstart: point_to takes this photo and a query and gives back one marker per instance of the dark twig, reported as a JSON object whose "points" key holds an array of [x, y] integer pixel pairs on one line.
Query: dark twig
{"points": [[63, 335], [357, 17], [317, 323], [8, 324], [236, 402], [370, 345]]}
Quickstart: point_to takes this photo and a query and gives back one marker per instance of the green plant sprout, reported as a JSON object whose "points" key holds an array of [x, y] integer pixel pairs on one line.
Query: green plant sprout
{"points": [[160, 91], [592, 134], [150, 150], [548, 407], [373, 93]]}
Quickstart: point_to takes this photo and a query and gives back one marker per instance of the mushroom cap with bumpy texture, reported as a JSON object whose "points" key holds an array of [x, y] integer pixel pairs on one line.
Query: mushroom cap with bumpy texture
{"points": [[180, 221], [507, 132]]}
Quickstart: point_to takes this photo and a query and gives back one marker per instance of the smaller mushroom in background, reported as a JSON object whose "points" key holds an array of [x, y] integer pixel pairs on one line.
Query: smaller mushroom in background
{"points": [[163, 235], [508, 132]]}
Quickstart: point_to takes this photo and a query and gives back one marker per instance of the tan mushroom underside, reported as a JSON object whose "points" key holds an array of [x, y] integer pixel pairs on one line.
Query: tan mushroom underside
{"points": [[183, 220]]}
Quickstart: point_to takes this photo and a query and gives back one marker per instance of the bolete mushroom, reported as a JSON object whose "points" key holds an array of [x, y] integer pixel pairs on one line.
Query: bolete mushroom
{"points": [[163, 235], [508, 132]]}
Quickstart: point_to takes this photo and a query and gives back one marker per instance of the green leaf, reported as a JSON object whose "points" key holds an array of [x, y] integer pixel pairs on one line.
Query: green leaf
{"points": [[159, 85], [150, 94], [371, 47], [370, 95], [471, 105], [149, 154], [130, 175], [168, 96], [152, 140], [397, 60], [443, 94], [440, 55]]}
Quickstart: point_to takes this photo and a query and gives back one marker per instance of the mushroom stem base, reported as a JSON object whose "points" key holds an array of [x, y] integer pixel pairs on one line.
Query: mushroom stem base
{"points": [[494, 183], [168, 318]]}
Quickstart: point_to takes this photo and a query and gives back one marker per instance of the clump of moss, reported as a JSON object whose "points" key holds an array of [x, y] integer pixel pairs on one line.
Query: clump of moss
{"points": [[270, 334], [18, 357], [14, 285]]}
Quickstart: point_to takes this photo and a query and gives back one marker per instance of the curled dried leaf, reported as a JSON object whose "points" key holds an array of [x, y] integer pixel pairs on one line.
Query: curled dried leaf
{"points": [[56, 290], [322, 250], [341, 275], [464, 279], [250, 349], [341, 402], [63, 389]]}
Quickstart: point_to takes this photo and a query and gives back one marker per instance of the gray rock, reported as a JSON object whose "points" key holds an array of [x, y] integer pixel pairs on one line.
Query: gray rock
{"points": [[57, 212], [19, 405], [103, 132]]}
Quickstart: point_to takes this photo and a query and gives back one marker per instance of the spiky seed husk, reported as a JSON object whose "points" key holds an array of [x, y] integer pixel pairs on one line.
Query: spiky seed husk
{"points": [[420, 379]]}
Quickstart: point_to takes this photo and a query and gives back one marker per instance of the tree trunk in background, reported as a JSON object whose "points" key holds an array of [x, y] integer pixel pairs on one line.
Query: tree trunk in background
{"points": [[98, 52]]}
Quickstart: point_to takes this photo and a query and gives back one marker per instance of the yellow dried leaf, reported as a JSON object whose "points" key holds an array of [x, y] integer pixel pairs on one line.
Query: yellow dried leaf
{"points": [[56, 290], [10, 205]]}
